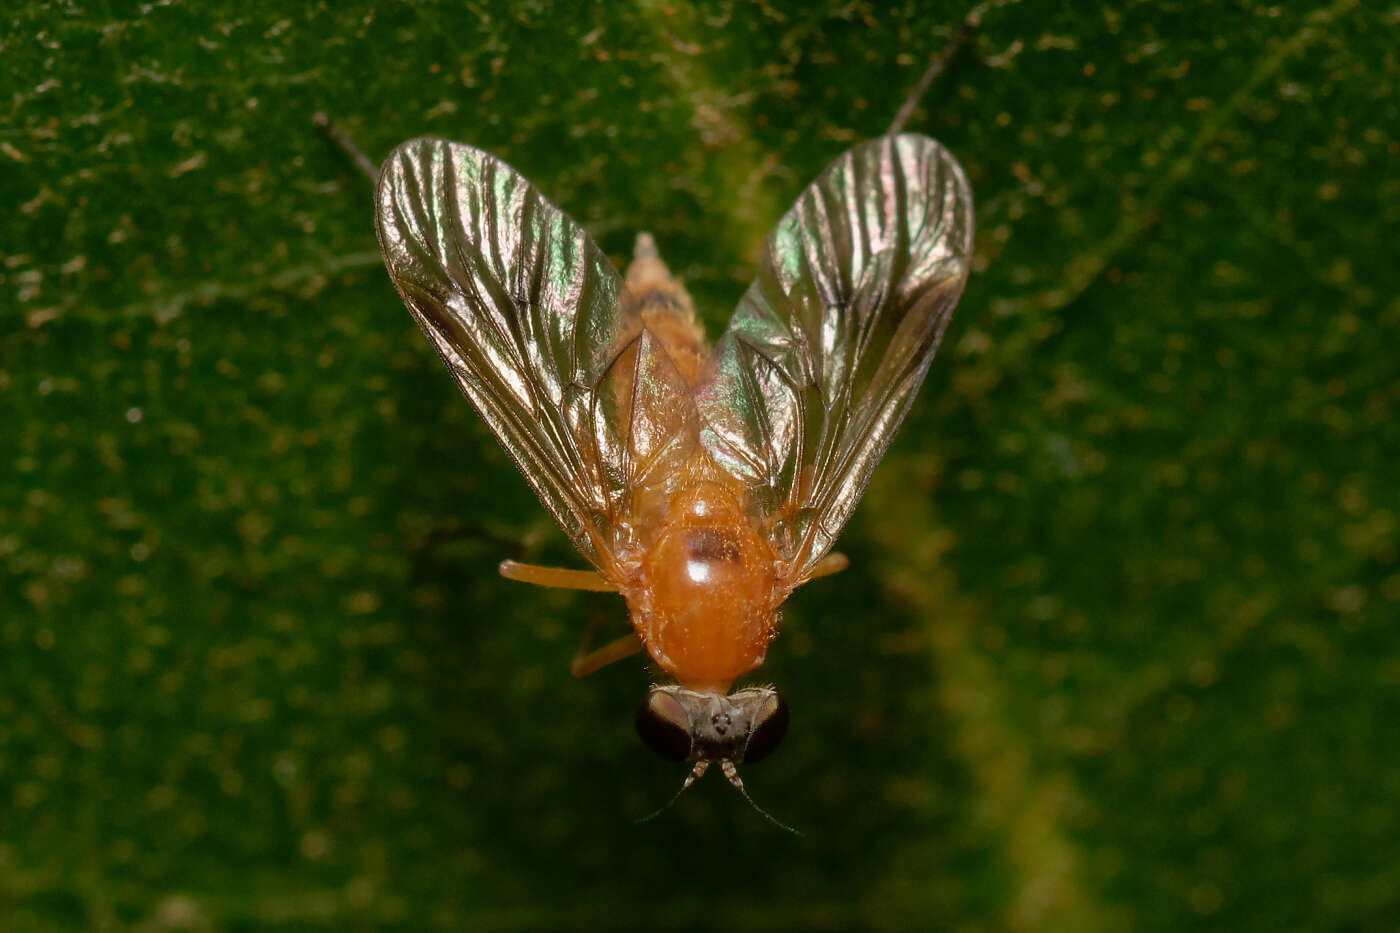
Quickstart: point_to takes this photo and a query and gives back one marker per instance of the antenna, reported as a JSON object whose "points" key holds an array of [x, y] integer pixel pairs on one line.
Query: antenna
{"points": [[695, 774], [732, 773]]}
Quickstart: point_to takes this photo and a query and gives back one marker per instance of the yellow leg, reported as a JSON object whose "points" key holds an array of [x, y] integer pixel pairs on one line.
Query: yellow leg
{"points": [[831, 563], [587, 659], [556, 577], [586, 662]]}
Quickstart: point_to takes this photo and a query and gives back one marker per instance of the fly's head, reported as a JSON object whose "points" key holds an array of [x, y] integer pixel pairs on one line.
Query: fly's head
{"points": [[693, 725]]}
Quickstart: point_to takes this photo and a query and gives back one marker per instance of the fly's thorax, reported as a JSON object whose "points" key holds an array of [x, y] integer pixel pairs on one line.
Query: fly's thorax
{"points": [[704, 598]]}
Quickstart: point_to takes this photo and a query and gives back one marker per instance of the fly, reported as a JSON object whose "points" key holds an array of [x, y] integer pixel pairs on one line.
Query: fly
{"points": [[703, 482]]}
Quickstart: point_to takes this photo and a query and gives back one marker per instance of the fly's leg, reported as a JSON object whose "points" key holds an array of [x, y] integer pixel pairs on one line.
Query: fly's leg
{"points": [[831, 563], [339, 137], [941, 61], [556, 577], [588, 659]]}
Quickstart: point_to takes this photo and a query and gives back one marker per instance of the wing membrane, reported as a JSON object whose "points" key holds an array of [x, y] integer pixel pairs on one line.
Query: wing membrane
{"points": [[828, 346], [523, 307]]}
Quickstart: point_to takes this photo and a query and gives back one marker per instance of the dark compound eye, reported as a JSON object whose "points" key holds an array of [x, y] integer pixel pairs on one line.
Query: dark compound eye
{"points": [[664, 725], [770, 725]]}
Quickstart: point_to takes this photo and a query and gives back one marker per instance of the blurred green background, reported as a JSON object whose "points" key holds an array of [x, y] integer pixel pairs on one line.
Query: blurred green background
{"points": [[1117, 650]]}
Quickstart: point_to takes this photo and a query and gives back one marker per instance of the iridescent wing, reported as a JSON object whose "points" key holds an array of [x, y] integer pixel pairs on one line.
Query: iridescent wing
{"points": [[523, 307], [828, 346]]}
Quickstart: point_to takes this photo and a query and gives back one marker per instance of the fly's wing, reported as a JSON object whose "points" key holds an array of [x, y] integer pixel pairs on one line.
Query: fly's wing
{"points": [[523, 307], [828, 346]]}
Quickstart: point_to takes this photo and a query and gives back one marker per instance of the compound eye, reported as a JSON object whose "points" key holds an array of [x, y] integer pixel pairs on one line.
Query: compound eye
{"points": [[769, 726], [663, 722]]}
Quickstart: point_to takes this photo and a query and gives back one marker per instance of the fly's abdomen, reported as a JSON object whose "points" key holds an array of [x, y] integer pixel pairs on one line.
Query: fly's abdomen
{"points": [[662, 304]]}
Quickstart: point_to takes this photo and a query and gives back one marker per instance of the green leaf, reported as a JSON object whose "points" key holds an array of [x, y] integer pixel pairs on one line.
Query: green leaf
{"points": [[1117, 647]]}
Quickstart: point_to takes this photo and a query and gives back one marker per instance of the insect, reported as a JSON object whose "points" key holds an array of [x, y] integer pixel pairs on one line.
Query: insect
{"points": [[703, 483]]}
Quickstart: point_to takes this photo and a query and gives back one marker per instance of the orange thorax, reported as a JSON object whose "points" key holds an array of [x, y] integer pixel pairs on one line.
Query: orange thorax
{"points": [[704, 597]]}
